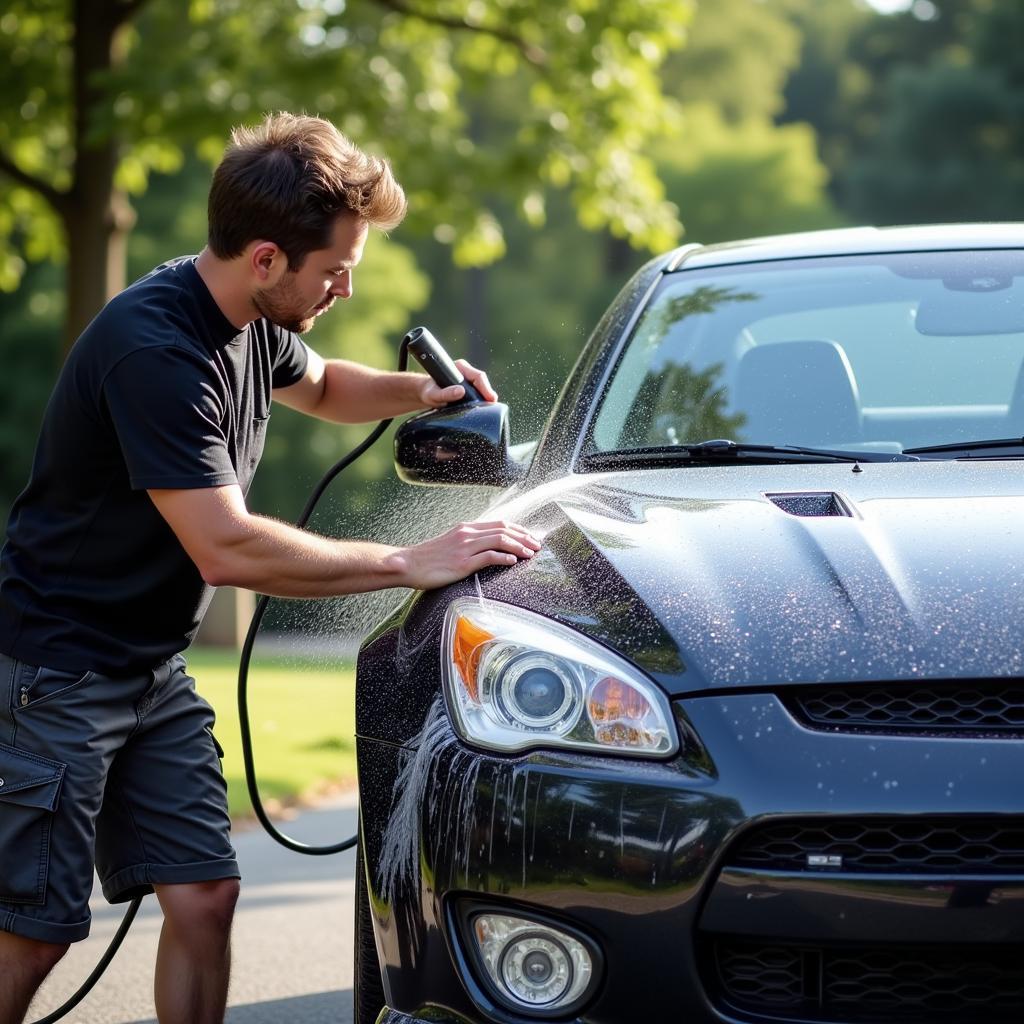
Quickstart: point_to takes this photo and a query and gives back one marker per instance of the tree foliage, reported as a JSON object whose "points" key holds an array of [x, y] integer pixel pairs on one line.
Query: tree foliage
{"points": [[745, 178], [918, 113], [398, 75], [738, 58], [950, 143], [732, 171]]}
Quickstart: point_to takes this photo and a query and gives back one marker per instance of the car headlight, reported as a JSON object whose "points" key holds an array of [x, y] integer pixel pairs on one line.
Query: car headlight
{"points": [[516, 680]]}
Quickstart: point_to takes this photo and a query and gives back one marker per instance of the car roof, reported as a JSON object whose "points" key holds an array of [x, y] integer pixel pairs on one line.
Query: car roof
{"points": [[849, 241]]}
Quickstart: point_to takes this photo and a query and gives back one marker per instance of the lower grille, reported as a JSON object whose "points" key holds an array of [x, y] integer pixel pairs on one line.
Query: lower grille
{"points": [[905, 845], [869, 985], [990, 709]]}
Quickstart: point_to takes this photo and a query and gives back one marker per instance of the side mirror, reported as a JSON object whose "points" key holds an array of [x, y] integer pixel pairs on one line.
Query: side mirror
{"points": [[459, 444]]}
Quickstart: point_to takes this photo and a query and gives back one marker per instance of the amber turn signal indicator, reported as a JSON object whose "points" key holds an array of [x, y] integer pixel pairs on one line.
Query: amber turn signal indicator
{"points": [[467, 649]]}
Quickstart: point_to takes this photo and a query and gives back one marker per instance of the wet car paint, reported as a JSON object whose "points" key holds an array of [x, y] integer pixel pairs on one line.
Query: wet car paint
{"points": [[730, 603], [626, 851]]}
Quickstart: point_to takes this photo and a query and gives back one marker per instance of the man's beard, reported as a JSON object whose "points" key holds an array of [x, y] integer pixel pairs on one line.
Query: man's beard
{"points": [[278, 304]]}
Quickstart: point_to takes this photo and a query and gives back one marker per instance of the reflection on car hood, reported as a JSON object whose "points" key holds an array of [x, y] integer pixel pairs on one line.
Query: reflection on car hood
{"points": [[704, 581]]}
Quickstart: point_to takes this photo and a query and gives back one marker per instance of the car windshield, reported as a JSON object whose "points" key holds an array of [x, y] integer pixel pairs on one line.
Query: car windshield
{"points": [[876, 353]]}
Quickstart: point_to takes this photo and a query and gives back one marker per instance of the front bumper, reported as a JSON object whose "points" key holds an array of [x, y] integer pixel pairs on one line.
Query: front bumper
{"points": [[637, 856], [395, 1017]]}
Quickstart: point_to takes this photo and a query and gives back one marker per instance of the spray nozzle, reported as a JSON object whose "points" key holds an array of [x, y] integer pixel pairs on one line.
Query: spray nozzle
{"points": [[430, 354]]}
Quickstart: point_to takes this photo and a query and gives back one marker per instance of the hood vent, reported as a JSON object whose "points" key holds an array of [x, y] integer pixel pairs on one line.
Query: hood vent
{"points": [[810, 503]]}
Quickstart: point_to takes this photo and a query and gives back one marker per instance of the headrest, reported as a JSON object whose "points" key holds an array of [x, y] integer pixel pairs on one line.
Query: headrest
{"points": [[798, 392]]}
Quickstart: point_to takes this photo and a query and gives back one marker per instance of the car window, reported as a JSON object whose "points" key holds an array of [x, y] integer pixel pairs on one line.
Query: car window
{"points": [[861, 352]]}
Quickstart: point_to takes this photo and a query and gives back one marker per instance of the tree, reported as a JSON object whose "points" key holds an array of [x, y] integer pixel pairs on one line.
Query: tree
{"points": [[950, 142], [728, 168], [947, 150], [745, 178], [738, 57], [918, 113], [100, 93]]}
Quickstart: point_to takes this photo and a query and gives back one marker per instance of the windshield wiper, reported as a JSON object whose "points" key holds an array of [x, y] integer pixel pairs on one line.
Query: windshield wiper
{"points": [[966, 449], [727, 451]]}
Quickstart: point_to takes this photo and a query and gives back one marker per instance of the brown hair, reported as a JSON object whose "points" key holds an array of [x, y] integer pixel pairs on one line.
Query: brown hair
{"points": [[288, 179]]}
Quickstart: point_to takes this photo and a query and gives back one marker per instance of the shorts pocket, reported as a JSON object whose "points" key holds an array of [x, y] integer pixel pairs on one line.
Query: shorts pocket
{"points": [[36, 685], [29, 793], [216, 743]]}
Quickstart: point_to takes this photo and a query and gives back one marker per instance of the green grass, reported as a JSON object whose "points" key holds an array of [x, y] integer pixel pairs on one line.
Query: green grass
{"points": [[302, 717]]}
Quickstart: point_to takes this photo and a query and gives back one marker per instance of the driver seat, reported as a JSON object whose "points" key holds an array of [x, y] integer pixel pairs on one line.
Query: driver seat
{"points": [[798, 392]]}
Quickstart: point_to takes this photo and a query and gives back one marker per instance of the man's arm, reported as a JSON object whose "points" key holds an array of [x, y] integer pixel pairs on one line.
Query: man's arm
{"points": [[232, 547], [346, 392]]}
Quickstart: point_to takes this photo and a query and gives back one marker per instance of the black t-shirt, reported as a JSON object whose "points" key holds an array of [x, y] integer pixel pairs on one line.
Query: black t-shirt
{"points": [[160, 391]]}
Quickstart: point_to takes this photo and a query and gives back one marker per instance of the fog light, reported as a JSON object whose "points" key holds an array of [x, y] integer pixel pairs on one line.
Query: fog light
{"points": [[531, 964]]}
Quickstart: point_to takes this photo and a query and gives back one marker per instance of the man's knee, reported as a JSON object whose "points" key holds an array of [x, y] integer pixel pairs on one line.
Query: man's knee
{"points": [[29, 957], [200, 906]]}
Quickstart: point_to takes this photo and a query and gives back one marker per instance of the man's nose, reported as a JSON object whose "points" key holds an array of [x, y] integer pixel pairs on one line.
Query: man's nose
{"points": [[343, 286]]}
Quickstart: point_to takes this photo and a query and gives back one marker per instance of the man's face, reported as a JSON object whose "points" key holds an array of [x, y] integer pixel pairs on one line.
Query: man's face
{"points": [[300, 296]]}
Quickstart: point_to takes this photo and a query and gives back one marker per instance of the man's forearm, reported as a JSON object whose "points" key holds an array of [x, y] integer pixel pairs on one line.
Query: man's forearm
{"points": [[232, 547], [354, 393], [273, 558]]}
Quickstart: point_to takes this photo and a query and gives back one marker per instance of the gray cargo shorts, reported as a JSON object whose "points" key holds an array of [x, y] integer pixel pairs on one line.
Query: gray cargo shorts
{"points": [[121, 774]]}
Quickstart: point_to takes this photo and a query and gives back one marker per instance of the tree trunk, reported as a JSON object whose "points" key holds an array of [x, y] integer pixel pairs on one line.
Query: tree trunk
{"points": [[96, 227], [620, 257], [97, 216]]}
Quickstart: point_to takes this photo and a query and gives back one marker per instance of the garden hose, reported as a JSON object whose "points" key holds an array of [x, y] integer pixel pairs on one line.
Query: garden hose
{"points": [[115, 944], [431, 355], [246, 657]]}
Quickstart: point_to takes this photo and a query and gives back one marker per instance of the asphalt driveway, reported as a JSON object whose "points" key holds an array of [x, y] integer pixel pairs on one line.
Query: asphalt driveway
{"points": [[292, 938]]}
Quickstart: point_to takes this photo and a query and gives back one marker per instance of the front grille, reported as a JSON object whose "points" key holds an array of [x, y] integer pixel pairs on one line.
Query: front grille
{"points": [[925, 845], [990, 708], [868, 985]]}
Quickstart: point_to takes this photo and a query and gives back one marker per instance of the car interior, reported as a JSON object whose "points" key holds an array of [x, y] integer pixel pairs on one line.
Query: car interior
{"points": [[843, 361]]}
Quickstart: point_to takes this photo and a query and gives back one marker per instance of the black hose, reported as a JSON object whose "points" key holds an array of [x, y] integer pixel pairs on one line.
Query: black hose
{"points": [[250, 640], [87, 985]]}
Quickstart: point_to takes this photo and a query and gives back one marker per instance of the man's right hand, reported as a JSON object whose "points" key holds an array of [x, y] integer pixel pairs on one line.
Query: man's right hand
{"points": [[466, 549]]}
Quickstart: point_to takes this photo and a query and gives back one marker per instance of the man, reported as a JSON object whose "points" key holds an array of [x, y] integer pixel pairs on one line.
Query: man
{"points": [[135, 509]]}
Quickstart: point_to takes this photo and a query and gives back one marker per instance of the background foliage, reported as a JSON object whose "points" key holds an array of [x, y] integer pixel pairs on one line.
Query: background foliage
{"points": [[547, 147]]}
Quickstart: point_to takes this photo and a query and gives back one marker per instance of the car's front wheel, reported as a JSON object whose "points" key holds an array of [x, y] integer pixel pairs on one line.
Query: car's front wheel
{"points": [[367, 990]]}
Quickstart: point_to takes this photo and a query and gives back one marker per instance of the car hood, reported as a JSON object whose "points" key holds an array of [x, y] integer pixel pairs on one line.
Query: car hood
{"points": [[699, 576]]}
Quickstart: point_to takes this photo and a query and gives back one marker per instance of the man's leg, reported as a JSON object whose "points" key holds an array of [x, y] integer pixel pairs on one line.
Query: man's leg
{"points": [[165, 825], [193, 961], [24, 964], [51, 725]]}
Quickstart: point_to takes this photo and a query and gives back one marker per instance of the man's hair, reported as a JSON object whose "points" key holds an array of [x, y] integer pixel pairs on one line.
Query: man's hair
{"points": [[288, 180]]}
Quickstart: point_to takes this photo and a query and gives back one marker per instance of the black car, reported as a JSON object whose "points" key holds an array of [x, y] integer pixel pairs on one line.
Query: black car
{"points": [[744, 741]]}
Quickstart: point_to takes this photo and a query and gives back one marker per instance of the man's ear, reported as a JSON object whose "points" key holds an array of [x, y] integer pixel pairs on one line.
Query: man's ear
{"points": [[267, 262]]}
